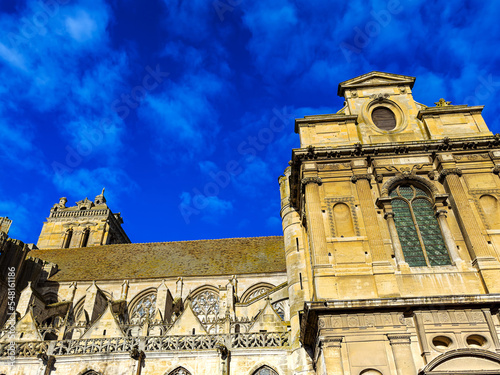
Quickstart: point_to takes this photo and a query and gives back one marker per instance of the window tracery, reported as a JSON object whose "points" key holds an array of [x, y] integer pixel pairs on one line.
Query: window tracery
{"points": [[180, 371], [417, 227], [257, 293], [265, 370], [206, 305], [146, 306]]}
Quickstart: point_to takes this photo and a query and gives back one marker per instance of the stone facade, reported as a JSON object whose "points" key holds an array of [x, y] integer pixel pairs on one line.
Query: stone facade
{"points": [[389, 263]]}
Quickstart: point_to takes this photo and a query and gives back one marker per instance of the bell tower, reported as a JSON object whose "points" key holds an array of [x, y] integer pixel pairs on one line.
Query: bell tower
{"points": [[89, 223], [389, 211]]}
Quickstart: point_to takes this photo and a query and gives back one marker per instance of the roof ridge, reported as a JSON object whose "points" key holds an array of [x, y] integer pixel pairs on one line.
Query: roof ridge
{"points": [[164, 242]]}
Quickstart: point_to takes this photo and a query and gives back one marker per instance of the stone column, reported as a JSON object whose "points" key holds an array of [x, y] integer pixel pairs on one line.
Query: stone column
{"points": [[398, 250], [316, 228], [447, 236], [401, 349], [482, 255], [370, 219], [472, 233], [331, 356]]}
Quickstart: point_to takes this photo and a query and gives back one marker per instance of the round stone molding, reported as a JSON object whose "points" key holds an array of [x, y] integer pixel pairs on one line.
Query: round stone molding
{"points": [[382, 101]]}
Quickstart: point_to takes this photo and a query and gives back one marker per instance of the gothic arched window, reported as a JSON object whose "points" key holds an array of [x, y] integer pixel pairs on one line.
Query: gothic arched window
{"points": [[180, 371], [265, 370], [67, 238], [145, 306], [85, 237], [418, 230], [206, 305]]}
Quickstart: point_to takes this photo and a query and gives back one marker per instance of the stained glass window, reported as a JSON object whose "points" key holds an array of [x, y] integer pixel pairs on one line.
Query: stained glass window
{"points": [[418, 230], [145, 306], [180, 371], [206, 305], [264, 370]]}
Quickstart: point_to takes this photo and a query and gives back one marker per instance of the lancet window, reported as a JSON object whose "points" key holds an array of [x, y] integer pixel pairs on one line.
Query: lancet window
{"points": [[417, 227]]}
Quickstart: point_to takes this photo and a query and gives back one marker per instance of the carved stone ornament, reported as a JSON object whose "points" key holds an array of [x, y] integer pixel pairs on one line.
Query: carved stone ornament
{"points": [[441, 213], [442, 103], [308, 180], [388, 215], [358, 177], [399, 339], [330, 342], [451, 171], [396, 180], [379, 97], [496, 169]]}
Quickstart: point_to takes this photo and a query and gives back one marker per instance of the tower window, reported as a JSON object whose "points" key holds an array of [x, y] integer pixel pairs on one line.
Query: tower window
{"points": [[417, 227], [85, 237], [67, 240], [384, 118]]}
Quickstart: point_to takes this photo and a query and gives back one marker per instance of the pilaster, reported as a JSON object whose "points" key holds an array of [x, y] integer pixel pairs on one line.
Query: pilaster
{"points": [[401, 349], [329, 360], [383, 270], [482, 256]]}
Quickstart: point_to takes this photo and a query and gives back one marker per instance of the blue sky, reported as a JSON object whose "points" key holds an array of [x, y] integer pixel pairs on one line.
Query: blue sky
{"points": [[184, 110]]}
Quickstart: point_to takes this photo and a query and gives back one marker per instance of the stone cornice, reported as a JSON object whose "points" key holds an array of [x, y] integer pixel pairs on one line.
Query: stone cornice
{"points": [[375, 79], [449, 109], [345, 153], [312, 120]]}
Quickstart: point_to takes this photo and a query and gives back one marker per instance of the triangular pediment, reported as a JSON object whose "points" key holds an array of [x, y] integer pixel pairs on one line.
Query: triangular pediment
{"points": [[268, 320], [374, 79], [187, 324], [105, 326], [26, 329]]}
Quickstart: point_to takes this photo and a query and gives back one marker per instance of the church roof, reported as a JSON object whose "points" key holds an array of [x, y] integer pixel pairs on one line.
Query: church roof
{"points": [[228, 256]]}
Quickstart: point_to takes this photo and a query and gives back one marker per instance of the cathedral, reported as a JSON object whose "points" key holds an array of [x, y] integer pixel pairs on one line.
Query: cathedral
{"points": [[389, 263]]}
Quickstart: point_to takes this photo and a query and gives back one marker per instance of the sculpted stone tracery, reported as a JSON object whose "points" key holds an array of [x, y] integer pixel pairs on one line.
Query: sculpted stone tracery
{"points": [[206, 305], [180, 371], [144, 307], [265, 370], [256, 291]]}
